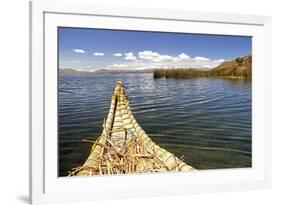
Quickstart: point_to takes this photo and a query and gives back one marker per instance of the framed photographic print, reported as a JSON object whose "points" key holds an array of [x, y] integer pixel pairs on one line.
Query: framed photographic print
{"points": [[146, 102]]}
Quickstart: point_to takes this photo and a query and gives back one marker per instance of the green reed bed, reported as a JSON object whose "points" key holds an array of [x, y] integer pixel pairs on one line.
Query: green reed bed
{"points": [[183, 73]]}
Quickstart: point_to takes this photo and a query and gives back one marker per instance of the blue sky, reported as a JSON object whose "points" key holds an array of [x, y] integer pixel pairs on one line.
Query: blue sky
{"points": [[93, 49]]}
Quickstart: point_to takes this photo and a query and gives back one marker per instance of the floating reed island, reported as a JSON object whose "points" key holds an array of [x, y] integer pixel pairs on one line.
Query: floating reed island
{"points": [[124, 147], [239, 68]]}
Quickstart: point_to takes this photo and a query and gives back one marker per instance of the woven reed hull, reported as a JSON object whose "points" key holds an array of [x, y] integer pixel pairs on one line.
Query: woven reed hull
{"points": [[120, 118]]}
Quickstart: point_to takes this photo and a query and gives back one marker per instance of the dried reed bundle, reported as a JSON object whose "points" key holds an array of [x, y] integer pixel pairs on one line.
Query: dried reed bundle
{"points": [[124, 147]]}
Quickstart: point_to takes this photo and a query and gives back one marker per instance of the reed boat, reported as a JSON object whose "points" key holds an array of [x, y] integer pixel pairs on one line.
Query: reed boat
{"points": [[124, 147]]}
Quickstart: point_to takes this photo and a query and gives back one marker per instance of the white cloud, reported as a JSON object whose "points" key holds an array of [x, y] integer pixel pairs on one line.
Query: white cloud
{"points": [[162, 58], [117, 54], [78, 50], [150, 60], [148, 55], [98, 54], [149, 64], [219, 60], [155, 57], [207, 66], [147, 59], [121, 65], [199, 58], [130, 56], [184, 56]]}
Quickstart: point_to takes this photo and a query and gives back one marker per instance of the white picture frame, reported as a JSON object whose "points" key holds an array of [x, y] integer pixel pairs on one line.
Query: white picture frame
{"points": [[46, 187]]}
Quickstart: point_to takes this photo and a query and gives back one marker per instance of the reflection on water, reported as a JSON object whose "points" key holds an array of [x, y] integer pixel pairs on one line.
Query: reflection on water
{"points": [[206, 120]]}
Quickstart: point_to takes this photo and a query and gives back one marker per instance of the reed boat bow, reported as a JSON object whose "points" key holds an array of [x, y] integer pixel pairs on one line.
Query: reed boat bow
{"points": [[124, 147]]}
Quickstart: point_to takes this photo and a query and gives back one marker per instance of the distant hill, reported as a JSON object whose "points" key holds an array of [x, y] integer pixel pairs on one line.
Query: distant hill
{"points": [[70, 71], [237, 68], [123, 71]]}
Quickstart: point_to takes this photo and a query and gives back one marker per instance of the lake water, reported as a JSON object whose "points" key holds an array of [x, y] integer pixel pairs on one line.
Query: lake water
{"points": [[206, 120]]}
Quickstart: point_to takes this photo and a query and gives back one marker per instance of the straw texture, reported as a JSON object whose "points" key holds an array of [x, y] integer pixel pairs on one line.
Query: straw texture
{"points": [[124, 147]]}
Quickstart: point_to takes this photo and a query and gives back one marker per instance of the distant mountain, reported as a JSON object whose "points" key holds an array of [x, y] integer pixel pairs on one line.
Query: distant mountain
{"points": [[123, 71], [70, 71], [237, 67]]}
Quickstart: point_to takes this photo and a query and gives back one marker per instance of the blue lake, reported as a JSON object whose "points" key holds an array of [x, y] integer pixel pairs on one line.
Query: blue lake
{"points": [[206, 120]]}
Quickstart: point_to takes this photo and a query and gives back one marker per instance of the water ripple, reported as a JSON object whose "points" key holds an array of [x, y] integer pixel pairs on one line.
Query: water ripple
{"points": [[207, 120]]}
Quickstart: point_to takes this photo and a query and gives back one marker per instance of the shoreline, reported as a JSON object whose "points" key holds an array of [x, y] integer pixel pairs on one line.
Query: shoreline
{"points": [[181, 78]]}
